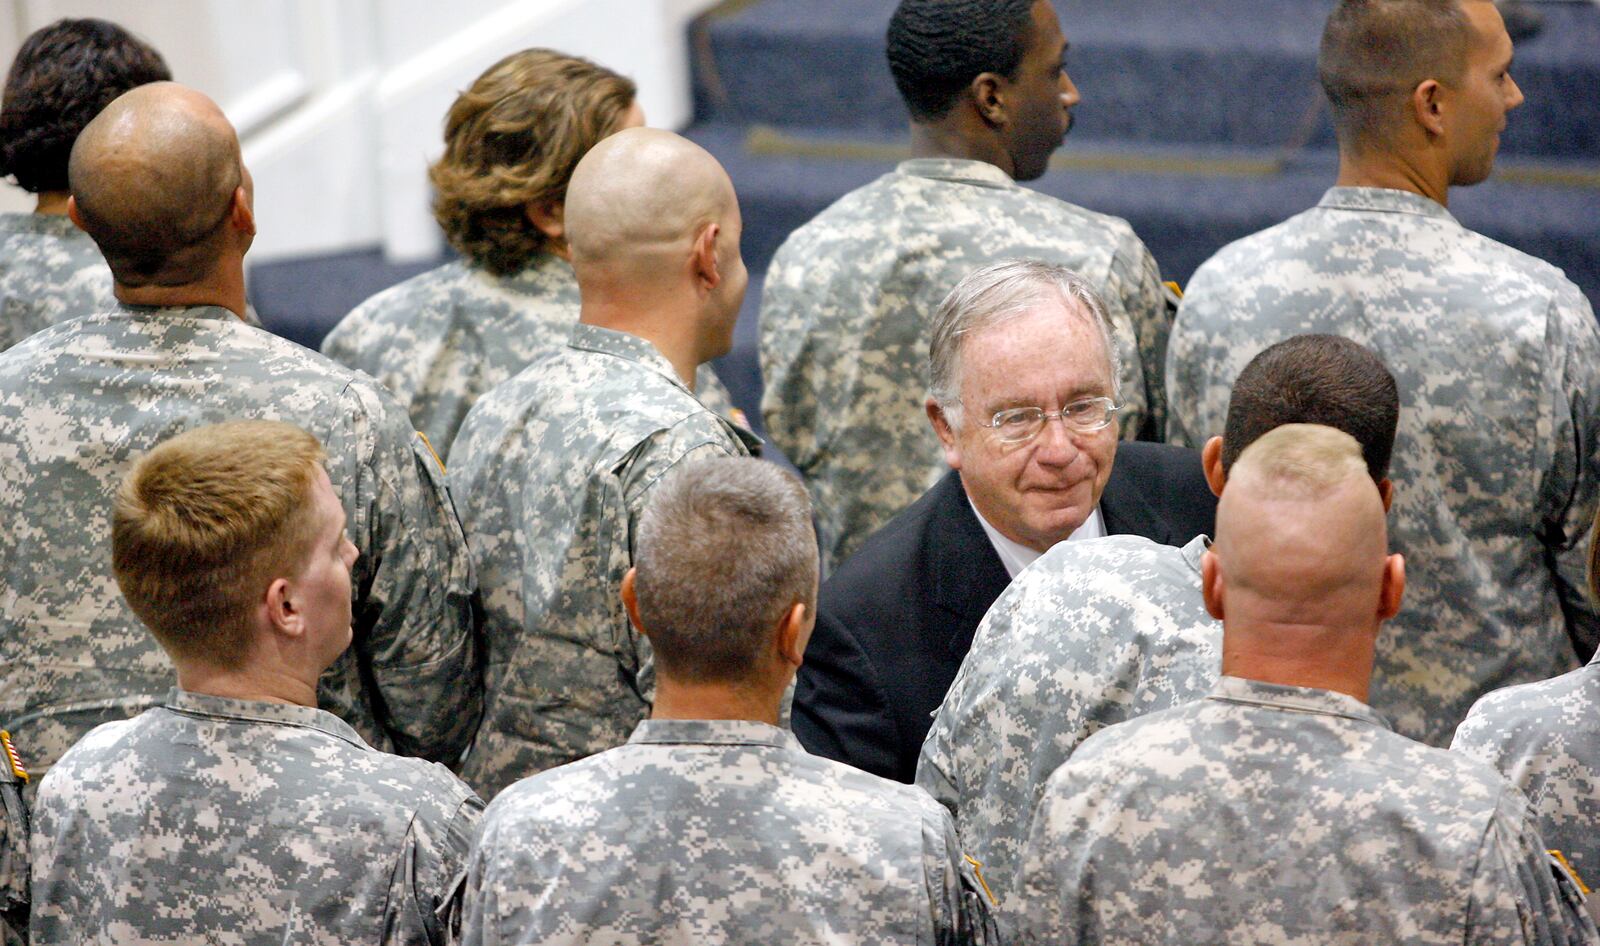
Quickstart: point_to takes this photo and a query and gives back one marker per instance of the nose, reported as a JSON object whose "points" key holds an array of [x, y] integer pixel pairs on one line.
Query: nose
{"points": [[1515, 99], [1055, 445], [1069, 92]]}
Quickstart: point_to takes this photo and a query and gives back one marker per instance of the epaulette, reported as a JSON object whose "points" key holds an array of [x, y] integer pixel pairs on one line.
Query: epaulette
{"points": [[11, 770]]}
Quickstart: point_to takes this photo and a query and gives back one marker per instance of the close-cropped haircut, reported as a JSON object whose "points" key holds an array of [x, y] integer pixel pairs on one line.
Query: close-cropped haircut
{"points": [[511, 141], [204, 522], [937, 47], [1315, 379], [64, 74], [1376, 52], [1302, 461], [724, 549], [994, 295]]}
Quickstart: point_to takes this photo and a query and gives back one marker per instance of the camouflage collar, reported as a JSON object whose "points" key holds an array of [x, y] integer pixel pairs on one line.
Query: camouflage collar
{"points": [[622, 345], [1295, 700], [1383, 200], [1195, 548], [712, 732], [215, 312], [956, 171], [282, 714], [41, 224]]}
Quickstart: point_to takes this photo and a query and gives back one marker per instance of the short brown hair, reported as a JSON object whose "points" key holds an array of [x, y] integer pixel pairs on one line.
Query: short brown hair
{"points": [[1375, 52], [203, 522], [723, 550], [512, 140]]}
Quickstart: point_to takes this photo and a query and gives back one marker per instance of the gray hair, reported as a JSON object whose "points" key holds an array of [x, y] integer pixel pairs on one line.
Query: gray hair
{"points": [[994, 295], [724, 548]]}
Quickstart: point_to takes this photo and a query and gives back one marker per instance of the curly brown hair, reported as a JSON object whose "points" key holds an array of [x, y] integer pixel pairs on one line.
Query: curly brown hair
{"points": [[64, 74], [512, 140]]}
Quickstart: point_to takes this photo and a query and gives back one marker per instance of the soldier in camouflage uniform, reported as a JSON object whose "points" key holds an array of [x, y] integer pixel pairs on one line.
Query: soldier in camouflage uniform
{"points": [[1282, 808], [63, 75], [441, 340], [1098, 632], [552, 468], [848, 296], [236, 811], [1545, 738], [712, 825], [79, 400], [1496, 353]]}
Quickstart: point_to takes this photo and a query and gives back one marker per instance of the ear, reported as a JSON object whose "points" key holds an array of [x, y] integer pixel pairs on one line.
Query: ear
{"points": [[988, 98], [630, 601], [1386, 493], [794, 633], [549, 218], [73, 213], [241, 216], [703, 258], [283, 611], [1211, 462], [1428, 106], [1211, 583], [947, 433], [1394, 586]]}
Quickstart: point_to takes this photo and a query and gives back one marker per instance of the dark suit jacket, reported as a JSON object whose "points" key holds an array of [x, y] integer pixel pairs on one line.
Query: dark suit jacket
{"points": [[896, 620]]}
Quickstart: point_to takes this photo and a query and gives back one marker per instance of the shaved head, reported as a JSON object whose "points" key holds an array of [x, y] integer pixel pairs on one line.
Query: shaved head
{"points": [[1300, 530], [153, 179], [653, 228], [643, 192]]}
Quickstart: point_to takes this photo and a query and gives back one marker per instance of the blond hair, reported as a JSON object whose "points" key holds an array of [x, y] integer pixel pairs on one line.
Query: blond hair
{"points": [[203, 522], [512, 140], [1301, 461]]}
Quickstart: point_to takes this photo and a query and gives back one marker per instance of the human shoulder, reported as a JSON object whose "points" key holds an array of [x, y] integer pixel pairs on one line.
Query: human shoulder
{"points": [[1548, 708], [899, 545]]}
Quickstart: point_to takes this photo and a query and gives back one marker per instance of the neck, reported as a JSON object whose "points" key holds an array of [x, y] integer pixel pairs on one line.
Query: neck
{"points": [[224, 288], [944, 139], [667, 326], [52, 203], [1394, 172], [680, 700], [250, 683], [1319, 658]]}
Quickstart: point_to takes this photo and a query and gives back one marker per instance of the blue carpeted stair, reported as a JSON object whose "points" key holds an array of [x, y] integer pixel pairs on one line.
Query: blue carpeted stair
{"points": [[1201, 122]]}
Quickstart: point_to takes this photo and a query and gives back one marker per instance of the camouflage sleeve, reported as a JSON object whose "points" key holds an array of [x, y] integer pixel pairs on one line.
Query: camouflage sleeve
{"points": [[425, 889], [1569, 489], [1183, 376], [1144, 301], [654, 460], [788, 402], [936, 766], [1515, 899], [962, 905], [1040, 916], [415, 631]]}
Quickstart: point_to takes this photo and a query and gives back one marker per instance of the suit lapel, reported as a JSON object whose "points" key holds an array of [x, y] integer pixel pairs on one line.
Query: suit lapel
{"points": [[1127, 512], [968, 574]]}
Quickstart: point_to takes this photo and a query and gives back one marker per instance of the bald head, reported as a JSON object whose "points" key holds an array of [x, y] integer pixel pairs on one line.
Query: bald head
{"points": [[153, 179], [644, 193], [1301, 538]]}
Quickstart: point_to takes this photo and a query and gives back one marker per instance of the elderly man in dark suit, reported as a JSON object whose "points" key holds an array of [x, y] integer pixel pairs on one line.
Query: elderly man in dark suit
{"points": [[1023, 395]]}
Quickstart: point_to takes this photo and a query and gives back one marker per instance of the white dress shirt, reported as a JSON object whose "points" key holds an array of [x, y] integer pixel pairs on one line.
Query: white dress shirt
{"points": [[1016, 556]]}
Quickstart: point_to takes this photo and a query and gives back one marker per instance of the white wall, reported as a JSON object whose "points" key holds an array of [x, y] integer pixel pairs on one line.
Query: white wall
{"points": [[340, 103]]}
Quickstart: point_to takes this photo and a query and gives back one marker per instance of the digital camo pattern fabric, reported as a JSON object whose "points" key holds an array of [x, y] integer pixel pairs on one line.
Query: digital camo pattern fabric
{"points": [[844, 326], [443, 339], [706, 832], [550, 473], [1497, 357], [50, 271], [79, 402], [229, 821], [1545, 738], [1091, 634], [1270, 814]]}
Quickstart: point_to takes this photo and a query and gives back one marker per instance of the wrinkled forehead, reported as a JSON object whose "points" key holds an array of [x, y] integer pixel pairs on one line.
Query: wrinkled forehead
{"points": [[1054, 341]]}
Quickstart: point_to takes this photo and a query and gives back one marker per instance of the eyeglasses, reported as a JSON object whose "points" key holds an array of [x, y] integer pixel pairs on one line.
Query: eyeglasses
{"points": [[1022, 424]]}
